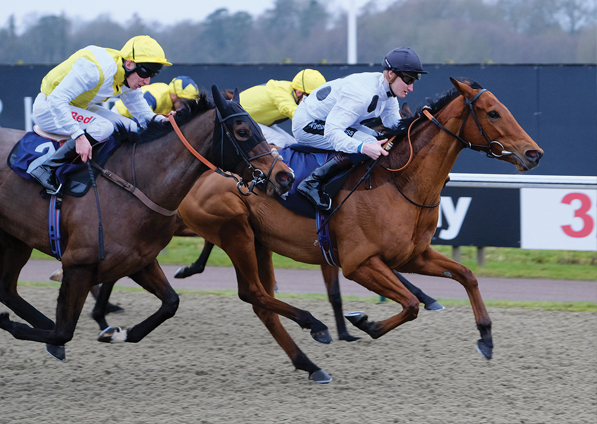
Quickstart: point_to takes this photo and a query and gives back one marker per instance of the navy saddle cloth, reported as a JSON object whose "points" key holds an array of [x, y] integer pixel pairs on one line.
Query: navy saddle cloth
{"points": [[304, 160], [32, 150]]}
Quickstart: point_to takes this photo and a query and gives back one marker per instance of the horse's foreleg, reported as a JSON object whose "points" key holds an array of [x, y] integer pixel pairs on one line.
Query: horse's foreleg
{"points": [[152, 279], [431, 262], [377, 277], [332, 284], [246, 253], [198, 266], [277, 330], [430, 303], [75, 286], [14, 254]]}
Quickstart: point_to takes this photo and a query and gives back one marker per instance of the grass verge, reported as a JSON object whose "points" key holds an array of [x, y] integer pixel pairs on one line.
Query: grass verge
{"points": [[507, 304], [500, 262]]}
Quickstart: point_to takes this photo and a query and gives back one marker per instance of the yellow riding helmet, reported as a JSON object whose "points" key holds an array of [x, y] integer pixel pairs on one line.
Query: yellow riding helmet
{"points": [[184, 88], [307, 80], [144, 49]]}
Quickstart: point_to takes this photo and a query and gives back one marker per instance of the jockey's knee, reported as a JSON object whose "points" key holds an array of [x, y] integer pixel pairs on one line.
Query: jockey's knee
{"points": [[100, 129]]}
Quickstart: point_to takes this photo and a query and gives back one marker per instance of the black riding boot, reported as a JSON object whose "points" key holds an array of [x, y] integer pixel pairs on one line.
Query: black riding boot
{"points": [[312, 186], [45, 173]]}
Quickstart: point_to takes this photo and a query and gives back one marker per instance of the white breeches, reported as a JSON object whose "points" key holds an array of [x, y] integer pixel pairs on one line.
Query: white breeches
{"points": [[277, 136], [97, 121]]}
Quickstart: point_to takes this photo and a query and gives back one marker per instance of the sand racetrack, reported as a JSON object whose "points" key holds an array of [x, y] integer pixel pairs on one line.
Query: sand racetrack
{"points": [[214, 362]]}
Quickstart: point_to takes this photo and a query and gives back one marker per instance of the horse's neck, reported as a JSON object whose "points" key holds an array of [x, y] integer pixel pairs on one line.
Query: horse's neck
{"points": [[435, 151], [165, 170]]}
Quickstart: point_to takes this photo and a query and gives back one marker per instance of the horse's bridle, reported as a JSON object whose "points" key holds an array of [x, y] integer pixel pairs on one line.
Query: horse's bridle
{"points": [[477, 147], [258, 176]]}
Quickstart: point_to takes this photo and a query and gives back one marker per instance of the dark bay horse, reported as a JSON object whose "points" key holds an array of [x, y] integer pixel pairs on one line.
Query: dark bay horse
{"points": [[387, 223], [164, 170]]}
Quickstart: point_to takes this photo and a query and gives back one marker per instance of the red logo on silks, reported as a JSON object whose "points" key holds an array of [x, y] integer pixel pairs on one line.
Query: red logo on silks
{"points": [[81, 118]]}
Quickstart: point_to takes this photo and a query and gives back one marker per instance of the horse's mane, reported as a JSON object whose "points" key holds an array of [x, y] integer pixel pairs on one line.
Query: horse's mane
{"points": [[435, 105], [156, 129]]}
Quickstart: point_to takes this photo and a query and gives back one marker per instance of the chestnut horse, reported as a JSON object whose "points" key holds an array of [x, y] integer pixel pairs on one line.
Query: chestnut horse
{"points": [[386, 224], [164, 169]]}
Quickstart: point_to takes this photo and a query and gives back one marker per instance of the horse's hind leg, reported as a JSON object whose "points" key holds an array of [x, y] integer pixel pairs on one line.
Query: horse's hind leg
{"points": [[277, 330], [377, 277], [14, 254], [152, 279], [332, 284], [430, 303], [198, 266]]}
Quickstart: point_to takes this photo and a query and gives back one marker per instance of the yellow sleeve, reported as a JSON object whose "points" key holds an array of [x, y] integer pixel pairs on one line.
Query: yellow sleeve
{"points": [[281, 94], [121, 109]]}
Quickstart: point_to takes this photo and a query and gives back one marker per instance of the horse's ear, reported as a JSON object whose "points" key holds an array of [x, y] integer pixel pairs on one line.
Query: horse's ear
{"points": [[218, 99], [463, 88], [236, 96]]}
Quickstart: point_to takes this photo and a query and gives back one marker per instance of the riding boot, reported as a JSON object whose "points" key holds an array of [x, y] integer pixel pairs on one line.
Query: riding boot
{"points": [[312, 186], [46, 172]]}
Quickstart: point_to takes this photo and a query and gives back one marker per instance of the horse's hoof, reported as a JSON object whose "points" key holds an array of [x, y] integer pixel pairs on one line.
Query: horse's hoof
{"points": [[56, 352], [356, 317], [435, 306], [484, 349], [320, 376], [182, 272], [323, 336], [57, 275], [112, 335]]}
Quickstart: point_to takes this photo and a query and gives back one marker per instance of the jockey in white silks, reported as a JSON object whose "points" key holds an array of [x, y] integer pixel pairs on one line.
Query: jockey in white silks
{"points": [[333, 117]]}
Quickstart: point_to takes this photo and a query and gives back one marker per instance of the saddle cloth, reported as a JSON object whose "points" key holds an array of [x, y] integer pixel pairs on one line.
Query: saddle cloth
{"points": [[303, 160], [33, 149]]}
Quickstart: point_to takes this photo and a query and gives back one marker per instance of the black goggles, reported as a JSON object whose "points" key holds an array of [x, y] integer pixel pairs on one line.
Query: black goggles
{"points": [[145, 71], [408, 79]]}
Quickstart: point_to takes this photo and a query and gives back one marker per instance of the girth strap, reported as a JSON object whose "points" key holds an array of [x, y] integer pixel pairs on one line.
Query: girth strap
{"points": [[133, 190]]}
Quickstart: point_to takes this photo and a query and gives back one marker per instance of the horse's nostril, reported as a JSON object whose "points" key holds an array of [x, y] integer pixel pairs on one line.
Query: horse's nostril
{"points": [[533, 155]]}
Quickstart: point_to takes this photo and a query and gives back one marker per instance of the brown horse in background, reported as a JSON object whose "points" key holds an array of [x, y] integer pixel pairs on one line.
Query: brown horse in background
{"points": [[385, 225], [164, 170]]}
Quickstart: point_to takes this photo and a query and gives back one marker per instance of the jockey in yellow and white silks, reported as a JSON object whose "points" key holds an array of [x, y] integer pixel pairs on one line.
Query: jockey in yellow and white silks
{"points": [[276, 101], [333, 117], [66, 104], [165, 98]]}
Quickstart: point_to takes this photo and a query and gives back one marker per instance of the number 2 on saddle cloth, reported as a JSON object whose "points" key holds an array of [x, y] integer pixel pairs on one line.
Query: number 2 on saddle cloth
{"points": [[33, 150]]}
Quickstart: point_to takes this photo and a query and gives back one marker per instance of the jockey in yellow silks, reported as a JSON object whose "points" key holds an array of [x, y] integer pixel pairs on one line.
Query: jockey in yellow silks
{"points": [[70, 91], [276, 101], [165, 98]]}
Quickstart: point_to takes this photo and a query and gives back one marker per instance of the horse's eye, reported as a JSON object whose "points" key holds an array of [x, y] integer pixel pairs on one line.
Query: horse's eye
{"points": [[493, 114], [243, 133]]}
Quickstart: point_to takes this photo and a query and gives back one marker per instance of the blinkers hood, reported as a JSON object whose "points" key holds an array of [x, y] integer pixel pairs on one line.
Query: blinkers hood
{"points": [[228, 151]]}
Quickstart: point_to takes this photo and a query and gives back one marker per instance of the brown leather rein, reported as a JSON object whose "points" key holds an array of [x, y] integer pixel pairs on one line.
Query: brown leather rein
{"points": [[137, 192]]}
